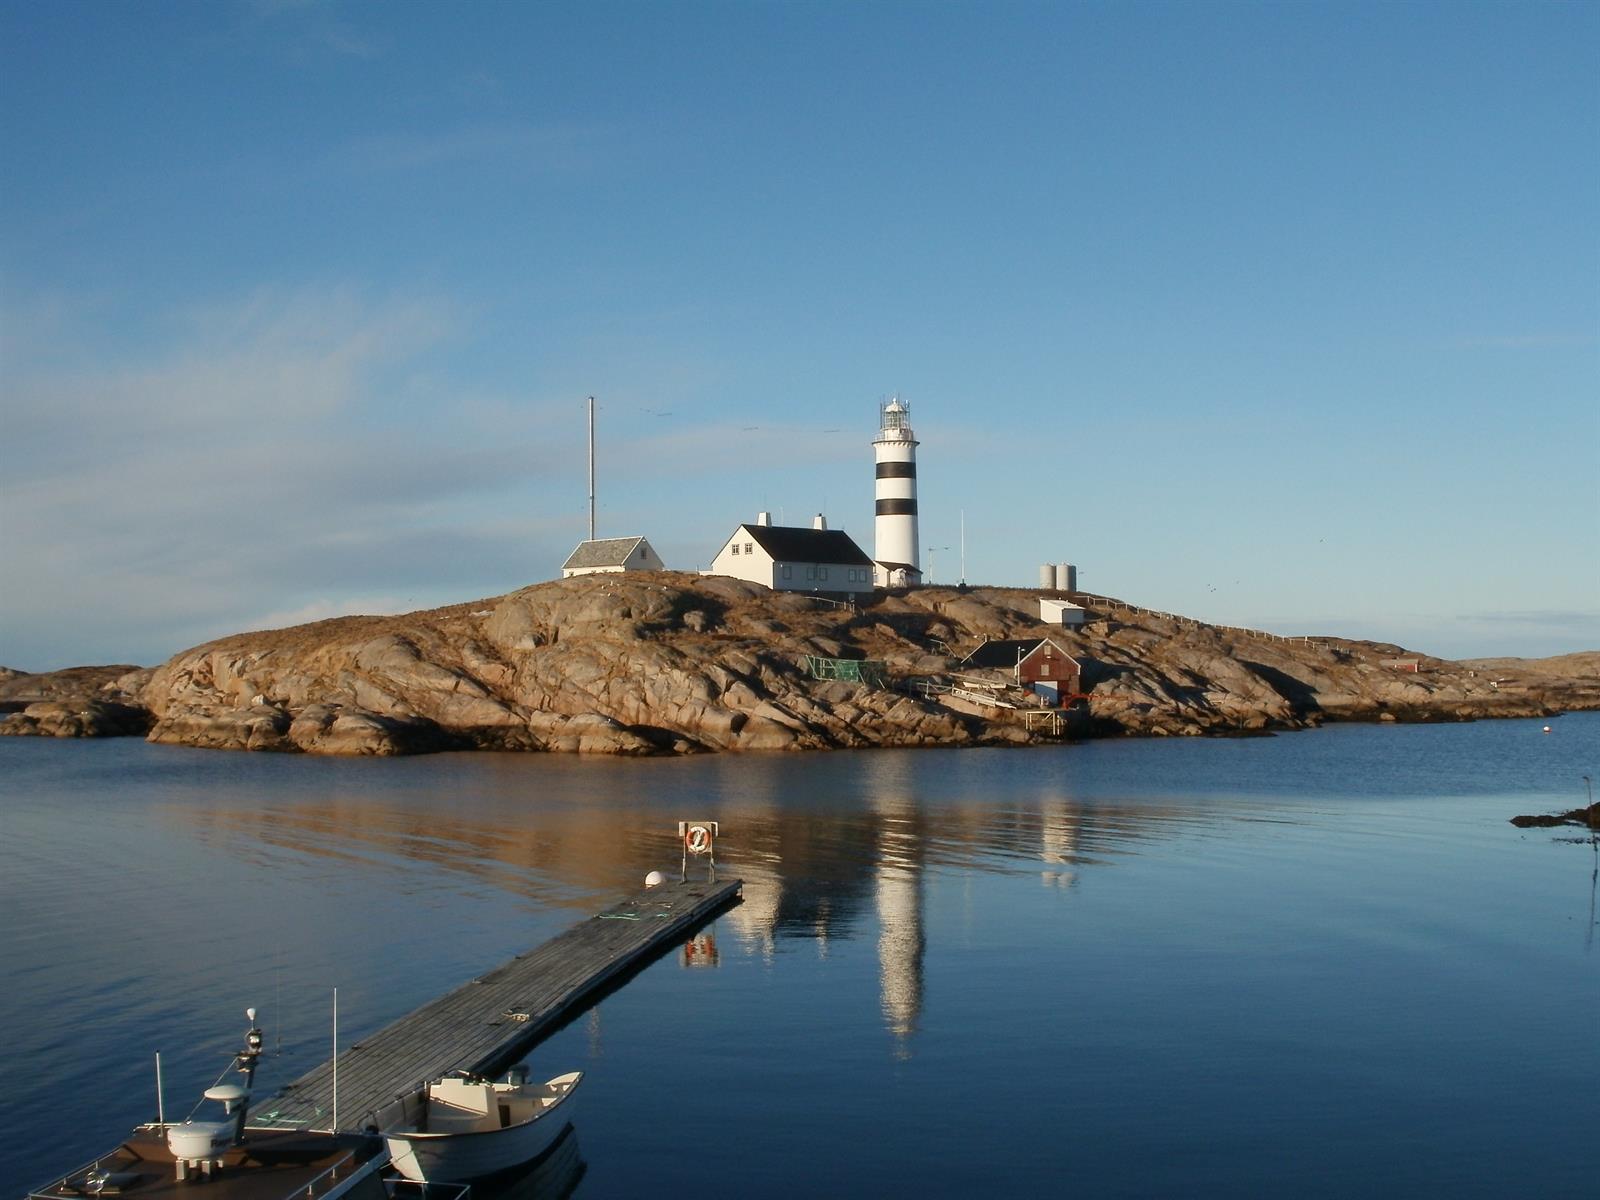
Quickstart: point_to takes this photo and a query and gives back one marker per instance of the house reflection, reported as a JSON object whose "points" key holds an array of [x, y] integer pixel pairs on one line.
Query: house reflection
{"points": [[830, 849]]}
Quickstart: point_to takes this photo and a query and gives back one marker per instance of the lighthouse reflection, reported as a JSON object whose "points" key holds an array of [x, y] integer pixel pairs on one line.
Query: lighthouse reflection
{"points": [[898, 893], [830, 848]]}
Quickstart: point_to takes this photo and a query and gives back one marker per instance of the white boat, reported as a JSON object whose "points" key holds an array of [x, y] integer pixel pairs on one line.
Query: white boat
{"points": [[464, 1127]]}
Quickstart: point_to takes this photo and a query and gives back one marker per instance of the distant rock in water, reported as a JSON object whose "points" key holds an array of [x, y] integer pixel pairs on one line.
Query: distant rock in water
{"points": [[1589, 818], [666, 662], [77, 717], [77, 702]]}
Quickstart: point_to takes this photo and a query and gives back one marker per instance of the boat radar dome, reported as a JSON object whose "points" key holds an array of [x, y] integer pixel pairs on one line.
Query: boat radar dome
{"points": [[654, 879]]}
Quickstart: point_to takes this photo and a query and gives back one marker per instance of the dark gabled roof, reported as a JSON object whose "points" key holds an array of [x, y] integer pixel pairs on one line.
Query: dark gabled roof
{"points": [[602, 552], [788, 543], [1004, 654]]}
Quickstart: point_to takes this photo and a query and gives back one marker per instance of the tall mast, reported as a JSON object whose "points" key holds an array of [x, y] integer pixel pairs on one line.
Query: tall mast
{"points": [[591, 468]]}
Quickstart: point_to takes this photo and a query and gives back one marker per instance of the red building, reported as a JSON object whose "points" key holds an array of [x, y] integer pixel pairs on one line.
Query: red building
{"points": [[1038, 664]]}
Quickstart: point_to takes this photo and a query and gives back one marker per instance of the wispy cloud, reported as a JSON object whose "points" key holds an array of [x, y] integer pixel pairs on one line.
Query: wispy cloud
{"points": [[270, 364], [527, 146], [261, 453], [1552, 340], [1527, 633], [319, 27]]}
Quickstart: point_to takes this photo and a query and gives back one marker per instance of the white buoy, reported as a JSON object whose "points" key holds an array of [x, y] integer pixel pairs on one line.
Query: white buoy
{"points": [[654, 879], [1547, 729]]}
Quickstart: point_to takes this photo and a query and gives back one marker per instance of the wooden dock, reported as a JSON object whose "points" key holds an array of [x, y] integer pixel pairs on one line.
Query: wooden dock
{"points": [[490, 1022]]}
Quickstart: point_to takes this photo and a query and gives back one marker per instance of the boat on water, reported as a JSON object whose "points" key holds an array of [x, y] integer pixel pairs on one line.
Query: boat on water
{"points": [[462, 1127], [227, 1158], [271, 1164]]}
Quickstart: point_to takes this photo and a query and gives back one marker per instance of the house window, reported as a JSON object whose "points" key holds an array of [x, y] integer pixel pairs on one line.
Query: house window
{"points": [[736, 547], [788, 571], [811, 572], [822, 572], [748, 549]]}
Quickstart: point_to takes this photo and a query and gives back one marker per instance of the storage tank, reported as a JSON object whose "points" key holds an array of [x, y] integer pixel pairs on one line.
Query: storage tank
{"points": [[1047, 576], [1066, 577]]}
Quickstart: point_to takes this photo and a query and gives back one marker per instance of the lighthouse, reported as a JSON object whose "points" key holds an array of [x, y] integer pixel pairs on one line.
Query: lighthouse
{"points": [[895, 526]]}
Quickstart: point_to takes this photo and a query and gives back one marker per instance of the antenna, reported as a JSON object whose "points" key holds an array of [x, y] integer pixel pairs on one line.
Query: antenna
{"points": [[591, 468], [963, 548]]}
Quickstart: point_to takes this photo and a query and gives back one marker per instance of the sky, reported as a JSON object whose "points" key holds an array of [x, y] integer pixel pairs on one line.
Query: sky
{"points": [[1276, 315]]}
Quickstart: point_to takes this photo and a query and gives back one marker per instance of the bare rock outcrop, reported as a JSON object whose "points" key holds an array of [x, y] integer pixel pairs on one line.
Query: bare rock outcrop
{"points": [[77, 717], [77, 702], [674, 663]]}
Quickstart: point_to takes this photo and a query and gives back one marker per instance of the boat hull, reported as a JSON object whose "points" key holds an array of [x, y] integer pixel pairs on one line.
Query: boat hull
{"points": [[464, 1157]]}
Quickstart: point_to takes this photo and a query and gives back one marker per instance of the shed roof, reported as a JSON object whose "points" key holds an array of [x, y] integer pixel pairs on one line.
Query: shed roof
{"points": [[1006, 654], [602, 552], [790, 543]]}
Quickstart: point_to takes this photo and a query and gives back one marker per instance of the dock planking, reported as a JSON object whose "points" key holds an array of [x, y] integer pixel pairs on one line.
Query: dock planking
{"points": [[489, 1022]]}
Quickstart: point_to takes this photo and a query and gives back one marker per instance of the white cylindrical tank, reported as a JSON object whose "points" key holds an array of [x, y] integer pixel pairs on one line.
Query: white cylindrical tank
{"points": [[1047, 576], [895, 521], [1066, 577]]}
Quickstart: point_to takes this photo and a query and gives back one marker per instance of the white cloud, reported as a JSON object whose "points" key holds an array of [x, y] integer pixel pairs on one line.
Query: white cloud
{"points": [[323, 609], [1534, 633], [528, 146], [270, 454]]}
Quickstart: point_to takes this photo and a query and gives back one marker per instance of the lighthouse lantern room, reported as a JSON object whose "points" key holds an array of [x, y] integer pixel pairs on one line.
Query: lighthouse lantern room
{"points": [[895, 524]]}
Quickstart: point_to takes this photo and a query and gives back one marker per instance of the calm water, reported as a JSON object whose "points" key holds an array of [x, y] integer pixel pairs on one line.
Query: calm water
{"points": [[1315, 965]]}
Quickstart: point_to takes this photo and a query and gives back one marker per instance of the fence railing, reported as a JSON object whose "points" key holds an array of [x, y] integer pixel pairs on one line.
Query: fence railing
{"points": [[1114, 605]]}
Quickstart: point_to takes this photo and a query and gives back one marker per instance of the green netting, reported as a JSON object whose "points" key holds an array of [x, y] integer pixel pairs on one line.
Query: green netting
{"points": [[869, 671]]}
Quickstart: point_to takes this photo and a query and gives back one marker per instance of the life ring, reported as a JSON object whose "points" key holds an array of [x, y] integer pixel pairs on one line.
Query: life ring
{"points": [[697, 839]]}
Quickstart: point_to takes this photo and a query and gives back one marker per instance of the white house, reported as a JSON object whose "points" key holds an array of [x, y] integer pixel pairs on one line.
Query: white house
{"points": [[605, 555], [791, 559]]}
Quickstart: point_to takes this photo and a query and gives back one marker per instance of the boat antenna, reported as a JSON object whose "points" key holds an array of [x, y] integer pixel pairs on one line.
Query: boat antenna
{"points": [[335, 1061], [277, 1000], [1594, 875], [251, 1054]]}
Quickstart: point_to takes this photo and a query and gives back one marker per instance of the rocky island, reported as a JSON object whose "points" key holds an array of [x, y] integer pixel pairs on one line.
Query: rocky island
{"points": [[668, 662]]}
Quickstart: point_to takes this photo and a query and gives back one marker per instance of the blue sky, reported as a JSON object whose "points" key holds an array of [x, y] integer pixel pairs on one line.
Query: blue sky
{"points": [[1279, 315]]}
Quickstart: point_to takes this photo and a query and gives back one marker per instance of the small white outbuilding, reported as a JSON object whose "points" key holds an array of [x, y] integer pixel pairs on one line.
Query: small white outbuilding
{"points": [[610, 555], [1061, 612]]}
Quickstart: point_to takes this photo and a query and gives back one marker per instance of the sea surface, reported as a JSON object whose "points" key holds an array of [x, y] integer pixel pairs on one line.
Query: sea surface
{"points": [[1320, 964]]}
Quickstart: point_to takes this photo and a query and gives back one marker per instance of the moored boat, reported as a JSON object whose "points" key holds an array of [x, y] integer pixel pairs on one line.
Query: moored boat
{"points": [[463, 1127], [232, 1160]]}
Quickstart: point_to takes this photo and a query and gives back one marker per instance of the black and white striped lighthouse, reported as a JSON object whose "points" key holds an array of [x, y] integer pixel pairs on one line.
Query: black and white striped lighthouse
{"points": [[895, 526]]}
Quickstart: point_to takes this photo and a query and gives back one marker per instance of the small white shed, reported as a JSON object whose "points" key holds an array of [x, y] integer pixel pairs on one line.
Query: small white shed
{"points": [[1061, 612], [609, 555]]}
